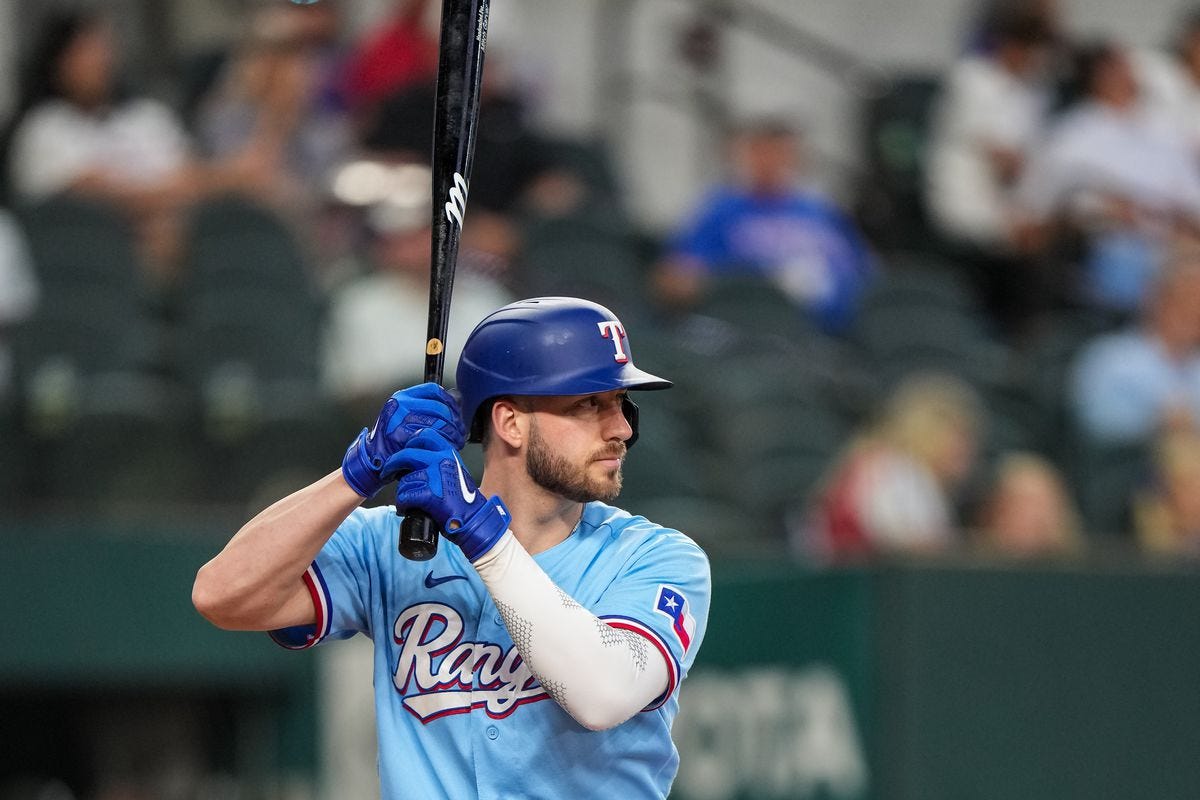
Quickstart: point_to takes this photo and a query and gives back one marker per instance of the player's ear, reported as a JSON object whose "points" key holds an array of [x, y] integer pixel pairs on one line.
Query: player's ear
{"points": [[510, 422]]}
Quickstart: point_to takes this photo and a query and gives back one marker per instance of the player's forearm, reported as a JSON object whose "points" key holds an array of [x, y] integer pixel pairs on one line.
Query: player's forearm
{"points": [[600, 675], [255, 582]]}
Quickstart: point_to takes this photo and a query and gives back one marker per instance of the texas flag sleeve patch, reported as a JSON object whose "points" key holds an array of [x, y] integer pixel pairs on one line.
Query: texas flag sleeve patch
{"points": [[673, 604]]}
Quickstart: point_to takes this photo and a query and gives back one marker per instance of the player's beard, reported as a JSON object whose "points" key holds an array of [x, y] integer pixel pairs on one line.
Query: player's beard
{"points": [[556, 474]]}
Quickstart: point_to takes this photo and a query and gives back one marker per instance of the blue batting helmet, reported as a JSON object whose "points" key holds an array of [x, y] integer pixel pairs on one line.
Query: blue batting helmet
{"points": [[548, 346]]}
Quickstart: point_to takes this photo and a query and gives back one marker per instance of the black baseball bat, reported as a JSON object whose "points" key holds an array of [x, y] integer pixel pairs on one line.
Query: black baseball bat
{"points": [[455, 121]]}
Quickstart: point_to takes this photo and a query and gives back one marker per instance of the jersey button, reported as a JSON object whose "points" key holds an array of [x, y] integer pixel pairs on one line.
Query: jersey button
{"points": [[499, 619], [493, 732]]}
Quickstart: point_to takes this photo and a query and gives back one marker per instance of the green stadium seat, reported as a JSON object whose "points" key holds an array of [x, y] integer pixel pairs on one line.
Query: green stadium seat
{"points": [[248, 339], [82, 243], [591, 253], [89, 362], [236, 243], [756, 306], [891, 204], [1104, 478]]}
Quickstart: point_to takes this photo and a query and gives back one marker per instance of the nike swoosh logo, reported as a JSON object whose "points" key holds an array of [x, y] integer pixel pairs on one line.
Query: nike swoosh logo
{"points": [[431, 581], [468, 494]]}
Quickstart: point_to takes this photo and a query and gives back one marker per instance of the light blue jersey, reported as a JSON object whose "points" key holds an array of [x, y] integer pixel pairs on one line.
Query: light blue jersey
{"points": [[458, 712]]}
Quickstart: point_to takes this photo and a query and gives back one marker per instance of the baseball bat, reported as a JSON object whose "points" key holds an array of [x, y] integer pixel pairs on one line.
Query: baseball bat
{"points": [[455, 121]]}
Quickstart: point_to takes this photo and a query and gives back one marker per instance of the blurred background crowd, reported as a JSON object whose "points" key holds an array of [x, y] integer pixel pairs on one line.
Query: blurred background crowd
{"points": [[984, 338], [926, 274]]}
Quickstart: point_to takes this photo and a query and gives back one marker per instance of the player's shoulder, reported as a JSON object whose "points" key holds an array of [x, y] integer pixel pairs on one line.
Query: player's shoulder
{"points": [[634, 531]]}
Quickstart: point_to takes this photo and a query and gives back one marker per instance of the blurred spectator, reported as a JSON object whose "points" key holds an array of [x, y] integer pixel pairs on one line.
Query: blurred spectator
{"points": [[509, 154], [1119, 175], [993, 15], [1171, 79], [991, 111], [79, 131], [377, 322], [398, 55], [512, 167], [894, 488], [1028, 511], [766, 221], [18, 291], [276, 97], [1132, 383], [1166, 513]]}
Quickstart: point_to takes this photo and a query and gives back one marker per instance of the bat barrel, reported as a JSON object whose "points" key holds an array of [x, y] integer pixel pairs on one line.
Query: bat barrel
{"points": [[456, 119]]}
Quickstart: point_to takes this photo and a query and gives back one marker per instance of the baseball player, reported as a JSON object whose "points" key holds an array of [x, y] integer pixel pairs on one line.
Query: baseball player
{"points": [[539, 653]]}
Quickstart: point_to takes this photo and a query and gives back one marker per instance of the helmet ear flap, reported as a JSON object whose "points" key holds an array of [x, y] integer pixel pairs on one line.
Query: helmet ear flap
{"points": [[630, 410]]}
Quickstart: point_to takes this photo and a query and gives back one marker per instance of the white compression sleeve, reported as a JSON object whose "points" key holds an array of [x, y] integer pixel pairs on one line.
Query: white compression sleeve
{"points": [[600, 675]]}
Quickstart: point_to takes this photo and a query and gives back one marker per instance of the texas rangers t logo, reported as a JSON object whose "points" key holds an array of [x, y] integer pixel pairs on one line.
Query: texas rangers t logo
{"points": [[611, 329]]}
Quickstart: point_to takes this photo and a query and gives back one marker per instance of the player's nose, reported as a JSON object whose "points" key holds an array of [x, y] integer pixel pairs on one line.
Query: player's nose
{"points": [[616, 425]]}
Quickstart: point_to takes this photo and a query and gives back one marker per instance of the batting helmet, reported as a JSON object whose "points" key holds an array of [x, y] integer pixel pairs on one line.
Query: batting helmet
{"points": [[548, 346]]}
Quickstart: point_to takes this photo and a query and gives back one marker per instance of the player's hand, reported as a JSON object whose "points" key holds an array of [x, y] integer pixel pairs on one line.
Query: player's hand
{"points": [[370, 461], [441, 486]]}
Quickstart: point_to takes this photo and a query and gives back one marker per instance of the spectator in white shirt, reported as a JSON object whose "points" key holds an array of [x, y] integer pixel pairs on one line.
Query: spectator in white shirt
{"points": [[991, 111], [1170, 79], [77, 132], [1119, 174]]}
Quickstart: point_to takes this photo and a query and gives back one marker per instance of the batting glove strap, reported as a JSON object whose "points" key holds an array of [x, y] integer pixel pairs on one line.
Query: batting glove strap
{"points": [[480, 532], [358, 470]]}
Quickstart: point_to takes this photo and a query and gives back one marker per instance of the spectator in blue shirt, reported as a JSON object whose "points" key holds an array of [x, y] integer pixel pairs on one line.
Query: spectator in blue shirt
{"points": [[1129, 385], [766, 221]]}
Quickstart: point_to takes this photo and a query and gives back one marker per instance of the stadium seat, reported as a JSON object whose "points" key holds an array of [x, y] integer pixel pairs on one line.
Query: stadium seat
{"points": [[81, 243], [1105, 478], [587, 254], [14, 456], [89, 362], [756, 306], [798, 436], [913, 280], [890, 203], [236, 243], [664, 460], [249, 329], [1045, 373], [899, 340]]}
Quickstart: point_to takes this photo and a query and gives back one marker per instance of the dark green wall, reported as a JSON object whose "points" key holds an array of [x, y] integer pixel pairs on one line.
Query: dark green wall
{"points": [[902, 682]]}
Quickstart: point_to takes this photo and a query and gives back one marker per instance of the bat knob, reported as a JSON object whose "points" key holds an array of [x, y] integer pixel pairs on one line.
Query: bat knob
{"points": [[418, 536]]}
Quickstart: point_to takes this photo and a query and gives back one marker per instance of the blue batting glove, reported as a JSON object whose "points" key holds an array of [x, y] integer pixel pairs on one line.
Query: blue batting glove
{"points": [[440, 485], [370, 461]]}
